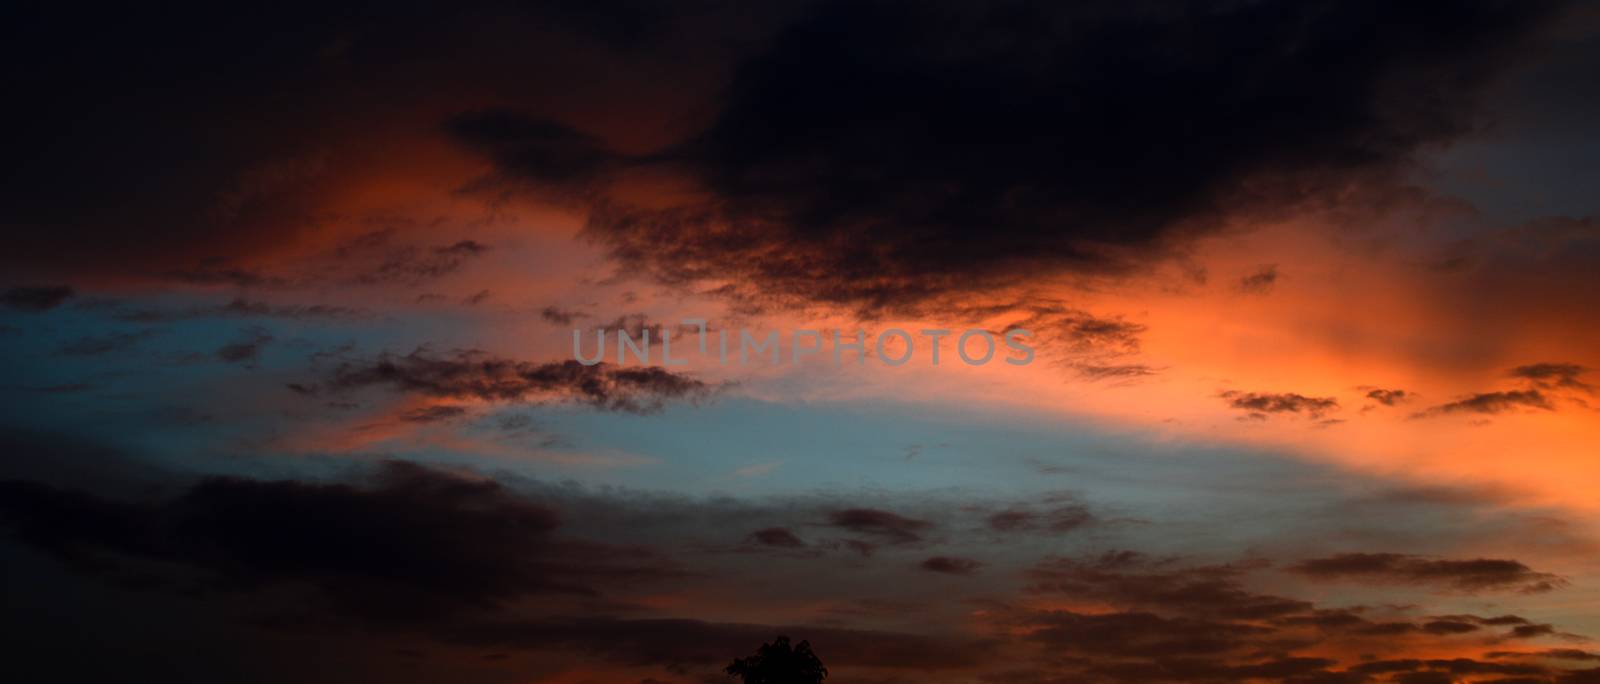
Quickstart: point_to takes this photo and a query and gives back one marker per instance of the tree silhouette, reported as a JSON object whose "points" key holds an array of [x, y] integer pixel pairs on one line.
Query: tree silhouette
{"points": [[777, 663]]}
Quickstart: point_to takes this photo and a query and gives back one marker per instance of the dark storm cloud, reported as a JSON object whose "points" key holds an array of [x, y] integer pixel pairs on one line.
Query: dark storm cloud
{"points": [[35, 298], [1288, 402], [1481, 574], [130, 172], [477, 375], [413, 543], [881, 155], [546, 153]]}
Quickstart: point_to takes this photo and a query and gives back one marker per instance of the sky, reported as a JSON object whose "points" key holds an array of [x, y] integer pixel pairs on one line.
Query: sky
{"points": [[293, 299]]}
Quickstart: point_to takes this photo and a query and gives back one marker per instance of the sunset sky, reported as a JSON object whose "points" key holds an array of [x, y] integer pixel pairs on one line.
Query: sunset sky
{"points": [[289, 295]]}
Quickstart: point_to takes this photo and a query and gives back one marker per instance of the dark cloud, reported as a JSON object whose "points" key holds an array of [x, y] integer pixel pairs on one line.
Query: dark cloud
{"points": [[242, 307], [1553, 375], [1490, 403], [239, 307], [412, 265], [208, 273], [780, 537], [1134, 580], [1261, 403], [889, 526], [433, 414], [1139, 634], [1058, 519], [1125, 370], [1261, 281], [106, 344], [411, 543], [246, 351], [476, 375], [1443, 627], [454, 564], [560, 316], [1079, 332], [951, 565], [879, 156], [1544, 384], [1556, 653], [1387, 397], [1481, 574], [683, 643], [35, 298], [555, 157]]}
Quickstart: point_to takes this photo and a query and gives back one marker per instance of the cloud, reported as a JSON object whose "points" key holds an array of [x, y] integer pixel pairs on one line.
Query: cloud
{"points": [[433, 414], [35, 298], [1556, 653], [454, 564], [1260, 282], [780, 537], [1387, 397], [1138, 634], [1134, 580], [552, 156], [1058, 519], [109, 343], [241, 307], [684, 643], [1126, 370], [412, 543], [1481, 574], [412, 265], [1490, 403], [1553, 375], [1544, 382], [951, 565], [560, 316], [247, 351], [477, 375], [1261, 403], [892, 527], [881, 157]]}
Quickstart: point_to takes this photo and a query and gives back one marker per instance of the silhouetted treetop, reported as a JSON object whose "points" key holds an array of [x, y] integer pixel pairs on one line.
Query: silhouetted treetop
{"points": [[778, 663]]}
